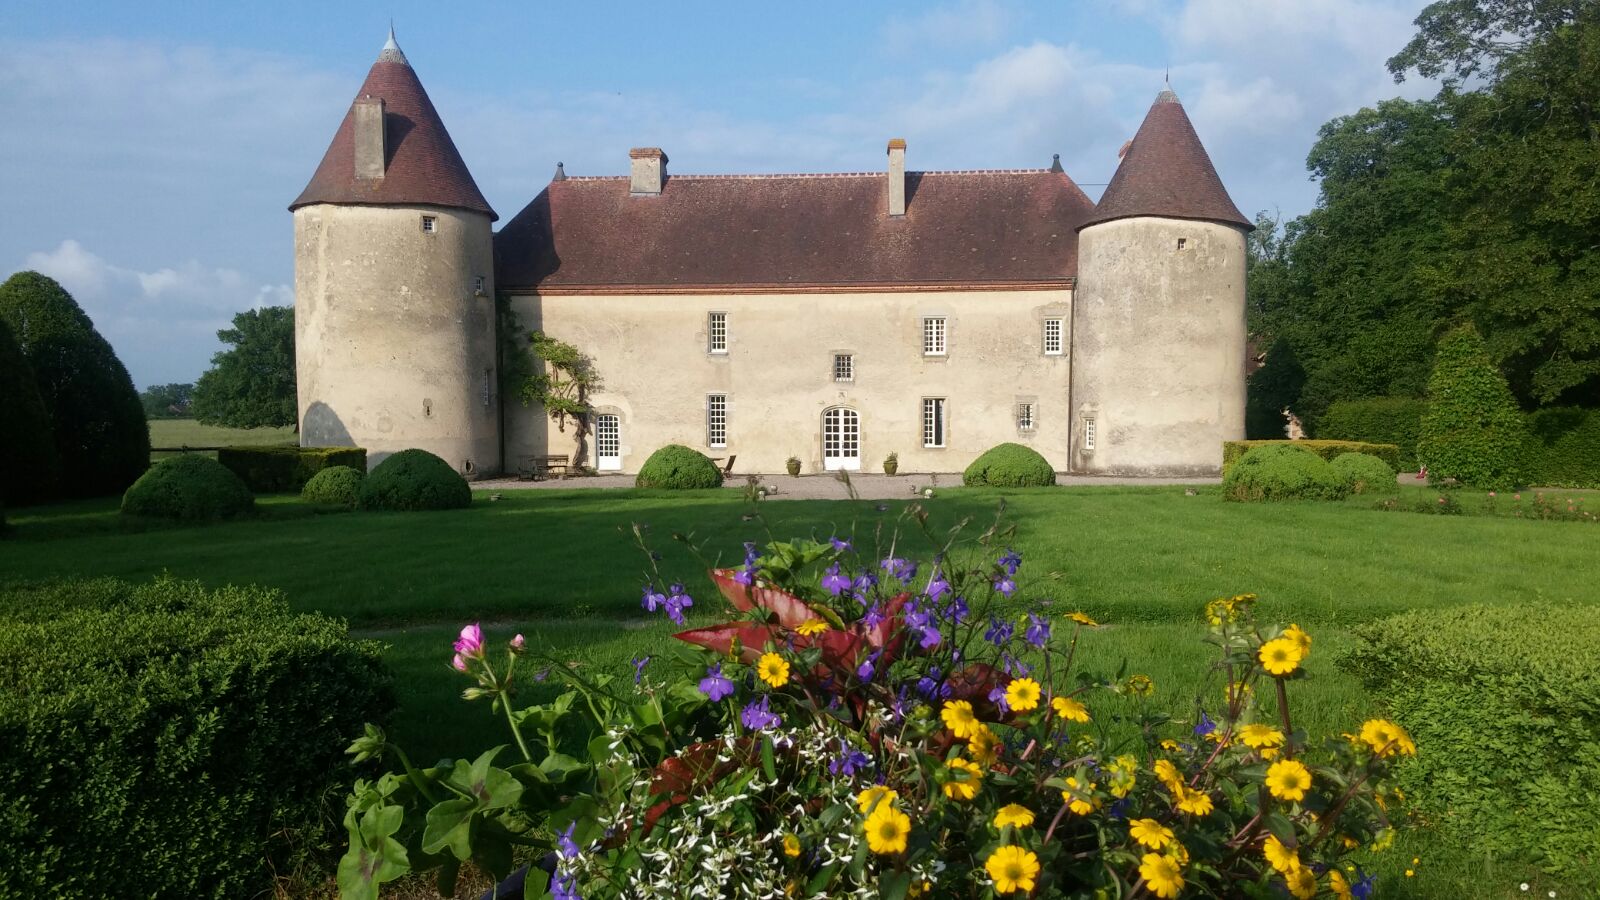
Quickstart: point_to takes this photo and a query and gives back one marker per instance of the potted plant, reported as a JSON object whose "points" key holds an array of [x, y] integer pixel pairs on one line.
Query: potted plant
{"points": [[891, 464], [793, 465]]}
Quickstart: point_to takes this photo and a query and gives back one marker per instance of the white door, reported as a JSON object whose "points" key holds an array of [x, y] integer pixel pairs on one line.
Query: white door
{"points": [[607, 443], [841, 439]]}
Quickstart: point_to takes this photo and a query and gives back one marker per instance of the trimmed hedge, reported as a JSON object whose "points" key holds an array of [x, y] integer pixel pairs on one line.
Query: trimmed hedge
{"points": [[1363, 474], [28, 466], [166, 740], [1009, 465], [1504, 705], [1383, 420], [677, 467], [1563, 448], [278, 470], [1472, 431], [335, 486], [1282, 471], [1232, 451], [189, 488], [413, 480]]}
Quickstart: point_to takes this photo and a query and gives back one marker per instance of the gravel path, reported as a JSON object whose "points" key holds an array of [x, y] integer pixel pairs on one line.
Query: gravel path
{"points": [[825, 487]]}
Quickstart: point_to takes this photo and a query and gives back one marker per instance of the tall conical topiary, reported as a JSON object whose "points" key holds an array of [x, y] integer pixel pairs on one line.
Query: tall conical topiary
{"points": [[28, 468], [1473, 431], [101, 437]]}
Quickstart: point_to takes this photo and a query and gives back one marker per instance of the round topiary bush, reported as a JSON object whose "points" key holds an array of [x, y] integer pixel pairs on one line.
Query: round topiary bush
{"points": [[1283, 472], [1009, 465], [414, 480], [335, 486], [188, 488], [1364, 474], [676, 467]]}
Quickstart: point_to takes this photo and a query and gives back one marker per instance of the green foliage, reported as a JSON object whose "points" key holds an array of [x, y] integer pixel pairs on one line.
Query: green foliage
{"points": [[28, 467], [1233, 451], [189, 488], [560, 378], [1505, 701], [677, 467], [1274, 387], [414, 480], [1472, 430], [166, 401], [1382, 420], [1460, 39], [1009, 465], [334, 486], [1364, 474], [166, 740], [101, 438], [251, 385], [1282, 471], [1563, 448], [272, 470]]}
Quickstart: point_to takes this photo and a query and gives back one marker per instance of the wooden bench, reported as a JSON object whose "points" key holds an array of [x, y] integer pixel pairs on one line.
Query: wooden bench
{"points": [[538, 468], [727, 470]]}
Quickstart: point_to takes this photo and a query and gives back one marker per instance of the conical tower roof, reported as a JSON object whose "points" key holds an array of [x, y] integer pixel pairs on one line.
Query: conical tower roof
{"points": [[423, 166], [1166, 172]]}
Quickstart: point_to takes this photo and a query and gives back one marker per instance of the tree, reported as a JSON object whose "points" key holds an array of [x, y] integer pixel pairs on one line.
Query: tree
{"points": [[1273, 388], [28, 467], [1472, 430], [251, 385], [1463, 39], [166, 401], [561, 379], [101, 437]]}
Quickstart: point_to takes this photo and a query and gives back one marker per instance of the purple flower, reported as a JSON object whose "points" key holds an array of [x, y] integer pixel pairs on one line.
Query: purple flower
{"points": [[919, 619], [899, 569], [997, 696], [1005, 586], [999, 633], [926, 686], [714, 685], [957, 610], [653, 599], [874, 616], [638, 667], [840, 546], [565, 845], [745, 576], [1011, 561], [677, 601], [751, 553], [864, 583], [1014, 667], [833, 582], [564, 887], [897, 706], [1205, 727], [1038, 633], [849, 761], [758, 715], [937, 586], [868, 667], [1362, 887]]}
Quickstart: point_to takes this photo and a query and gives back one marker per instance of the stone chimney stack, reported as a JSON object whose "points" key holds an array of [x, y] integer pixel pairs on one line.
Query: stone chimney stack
{"points": [[648, 171], [897, 176], [370, 149]]}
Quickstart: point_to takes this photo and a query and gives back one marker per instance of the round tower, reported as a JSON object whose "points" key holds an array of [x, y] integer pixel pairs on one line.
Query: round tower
{"points": [[394, 285], [1158, 330]]}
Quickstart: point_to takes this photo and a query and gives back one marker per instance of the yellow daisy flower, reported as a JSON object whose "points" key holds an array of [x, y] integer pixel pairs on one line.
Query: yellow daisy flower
{"points": [[1278, 856], [983, 747], [1256, 736], [959, 718], [811, 627], [1150, 833], [773, 669], [1013, 814], [791, 845], [965, 777], [1082, 619], [1387, 738], [1022, 694], [1339, 885], [1168, 774], [1302, 882], [1080, 798], [1012, 868], [1280, 656], [1070, 709], [1297, 634], [1162, 875], [1288, 779], [1124, 775], [887, 830], [1195, 803], [876, 796], [1141, 685], [1170, 745]]}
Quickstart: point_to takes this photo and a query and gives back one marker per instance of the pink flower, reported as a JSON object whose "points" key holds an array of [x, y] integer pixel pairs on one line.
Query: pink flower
{"points": [[518, 644], [470, 643], [1491, 493], [459, 663]]}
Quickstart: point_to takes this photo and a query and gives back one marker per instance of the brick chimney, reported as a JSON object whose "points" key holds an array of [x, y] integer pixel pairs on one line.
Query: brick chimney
{"points": [[897, 176], [370, 149], [648, 171]]}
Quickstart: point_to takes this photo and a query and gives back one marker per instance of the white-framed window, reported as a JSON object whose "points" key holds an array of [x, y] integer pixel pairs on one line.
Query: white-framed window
{"points": [[844, 367], [1054, 345], [717, 332], [716, 420], [933, 421], [478, 282], [430, 224], [1088, 434], [608, 442], [1026, 420], [933, 336]]}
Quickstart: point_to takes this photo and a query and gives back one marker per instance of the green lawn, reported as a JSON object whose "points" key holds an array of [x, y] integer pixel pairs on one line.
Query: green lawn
{"points": [[560, 566], [189, 433]]}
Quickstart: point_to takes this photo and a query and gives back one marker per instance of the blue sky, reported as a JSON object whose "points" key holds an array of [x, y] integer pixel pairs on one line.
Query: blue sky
{"points": [[151, 148]]}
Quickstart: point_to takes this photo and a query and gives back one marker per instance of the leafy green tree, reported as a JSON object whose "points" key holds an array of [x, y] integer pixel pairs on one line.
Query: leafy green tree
{"points": [[1472, 431], [560, 379], [166, 401], [1461, 39], [251, 385], [101, 437], [28, 469], [1274, 387]]}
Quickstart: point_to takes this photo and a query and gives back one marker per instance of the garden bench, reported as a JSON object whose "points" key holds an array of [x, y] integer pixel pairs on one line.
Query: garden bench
{"points": [[538, 468]]}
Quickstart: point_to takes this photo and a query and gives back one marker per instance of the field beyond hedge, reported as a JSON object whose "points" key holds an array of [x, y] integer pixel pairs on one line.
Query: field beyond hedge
{"points": [[560, 566]]}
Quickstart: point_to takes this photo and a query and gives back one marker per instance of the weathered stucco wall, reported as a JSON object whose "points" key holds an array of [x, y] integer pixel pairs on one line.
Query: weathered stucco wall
{"points": [[651, 351], [1158, 357], [393, 347]]}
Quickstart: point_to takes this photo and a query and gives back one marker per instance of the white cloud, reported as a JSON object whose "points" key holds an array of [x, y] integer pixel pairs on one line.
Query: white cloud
{"points": [[965, 23]]}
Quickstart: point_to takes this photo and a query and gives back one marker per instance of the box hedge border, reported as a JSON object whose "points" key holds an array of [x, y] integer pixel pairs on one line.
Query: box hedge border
{"points": [[278, 470], [1328, 450]]}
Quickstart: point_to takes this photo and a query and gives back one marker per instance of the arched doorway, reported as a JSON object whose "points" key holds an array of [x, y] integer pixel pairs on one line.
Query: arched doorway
{"points": [[841, 439]]}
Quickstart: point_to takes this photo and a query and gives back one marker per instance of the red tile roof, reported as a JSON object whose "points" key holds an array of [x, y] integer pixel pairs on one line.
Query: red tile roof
{"points": [[1166, 172], [1014, 227], [423, 166]]}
